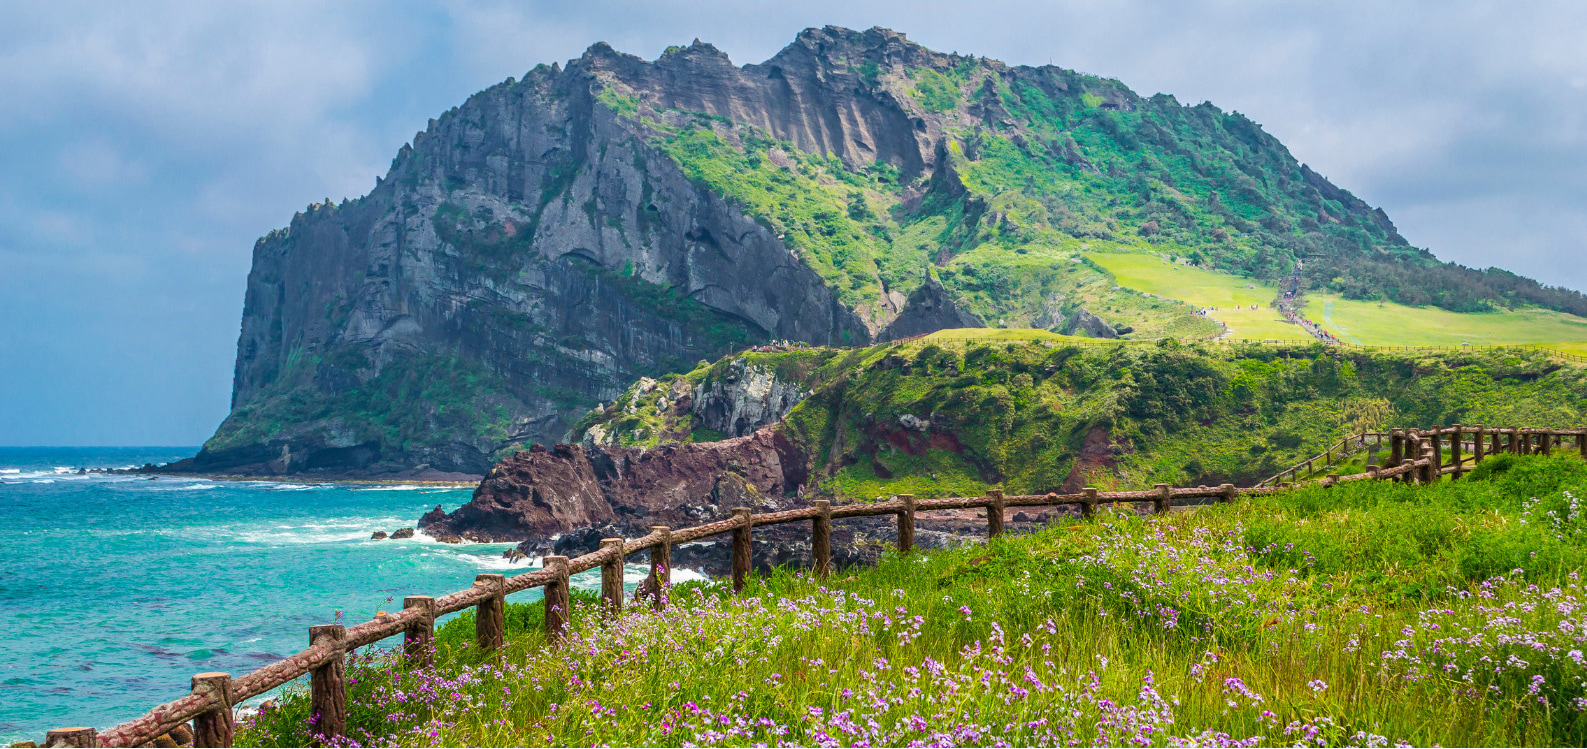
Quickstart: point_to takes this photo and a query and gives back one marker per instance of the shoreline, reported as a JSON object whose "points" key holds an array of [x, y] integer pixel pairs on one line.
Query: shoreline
{"points": [[448, 483]]}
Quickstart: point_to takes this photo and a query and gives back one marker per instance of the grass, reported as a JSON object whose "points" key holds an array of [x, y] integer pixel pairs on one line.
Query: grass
{"points": [[1154, 274], [1392, 324], [1366, 614]]}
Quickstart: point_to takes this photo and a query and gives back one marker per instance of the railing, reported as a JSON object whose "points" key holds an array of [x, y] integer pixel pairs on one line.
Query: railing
{"points": [[1415, 455]]}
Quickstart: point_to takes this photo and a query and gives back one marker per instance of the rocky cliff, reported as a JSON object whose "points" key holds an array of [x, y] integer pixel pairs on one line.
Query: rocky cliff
{"points": [[538, 248]]}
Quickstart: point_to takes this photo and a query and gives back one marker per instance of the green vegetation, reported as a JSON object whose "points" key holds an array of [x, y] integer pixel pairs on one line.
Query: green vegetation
{"points": [[414, 401], [947, 415], [1231, 297], [1042, 164], [1391, 324], [1367, 614]]}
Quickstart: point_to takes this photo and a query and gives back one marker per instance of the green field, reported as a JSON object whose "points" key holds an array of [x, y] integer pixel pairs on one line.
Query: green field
{"points": [[1379, 324], [1353, 321], [1222, 292]]}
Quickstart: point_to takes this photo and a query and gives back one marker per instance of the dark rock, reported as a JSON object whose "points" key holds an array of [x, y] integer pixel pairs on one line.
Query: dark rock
{"points": [[1082, 322], [402, 533], [546, 493], [378, 536], [448, 538], [929, 309]]}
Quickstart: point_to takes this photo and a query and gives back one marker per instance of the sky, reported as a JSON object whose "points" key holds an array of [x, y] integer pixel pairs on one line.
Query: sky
{"points": [[145, 146]]}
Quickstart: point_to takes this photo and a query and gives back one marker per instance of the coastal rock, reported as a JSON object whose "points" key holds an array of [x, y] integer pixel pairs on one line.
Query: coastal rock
{"points": [[540, 494], [447, 538], [378, 536], [402, 533]]}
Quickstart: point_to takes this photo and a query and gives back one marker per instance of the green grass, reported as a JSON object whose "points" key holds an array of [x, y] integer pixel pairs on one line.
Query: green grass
{"points": [[1365, 614], [1392, 324], [1158, 275]]}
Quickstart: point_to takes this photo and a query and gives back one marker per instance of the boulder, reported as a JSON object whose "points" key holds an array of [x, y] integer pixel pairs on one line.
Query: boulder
{"points": [[402, 533], [378, 536]]}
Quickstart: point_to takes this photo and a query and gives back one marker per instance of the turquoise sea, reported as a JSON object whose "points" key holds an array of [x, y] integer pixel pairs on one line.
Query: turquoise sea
{"points": [[114, 590]]}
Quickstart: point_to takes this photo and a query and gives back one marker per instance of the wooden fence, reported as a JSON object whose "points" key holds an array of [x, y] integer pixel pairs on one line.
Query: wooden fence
{"points": [[1415, 456]]}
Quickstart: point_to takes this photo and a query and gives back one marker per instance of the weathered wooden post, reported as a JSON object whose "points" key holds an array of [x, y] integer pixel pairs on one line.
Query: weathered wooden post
{"points": [[1430, 472], [328, 683], [1455, 439], [906, 524], [1164, 499], [1229, 493], [1581, 443], [742, 558], [1545, 440], [1517, 447], [558, 598], [1498, 442], [821, 538], [418, 639], [660, 566], [214, 728], [490, 615], [1088, 503], [1396, 449], [612, 576], [1437, 440], [1477, 451], [994, 511], [75, 736]]}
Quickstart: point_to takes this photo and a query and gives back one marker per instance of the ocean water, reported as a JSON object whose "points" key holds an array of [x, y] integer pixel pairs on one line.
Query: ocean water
{"points": [[115, 590]]}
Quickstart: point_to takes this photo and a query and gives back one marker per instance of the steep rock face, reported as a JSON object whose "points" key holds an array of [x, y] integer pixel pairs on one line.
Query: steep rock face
{"points": [[744, 399], [1083, 322], [540, 493]]}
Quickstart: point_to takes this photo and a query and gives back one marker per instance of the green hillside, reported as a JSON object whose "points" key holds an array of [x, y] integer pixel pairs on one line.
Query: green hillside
{"points": [[1370, 614], [1365, 323], [1046, 413], [1035, 166]]}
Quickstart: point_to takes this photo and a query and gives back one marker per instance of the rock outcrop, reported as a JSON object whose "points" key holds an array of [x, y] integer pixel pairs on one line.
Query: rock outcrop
{"points": [[1083, 322], [744, 398], [930, 308], [540, 493]]}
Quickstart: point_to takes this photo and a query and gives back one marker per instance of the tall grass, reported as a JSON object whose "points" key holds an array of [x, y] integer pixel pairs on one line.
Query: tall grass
{"points": [[1363, 614]]}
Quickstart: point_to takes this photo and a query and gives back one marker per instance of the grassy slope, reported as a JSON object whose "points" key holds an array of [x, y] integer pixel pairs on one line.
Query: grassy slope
{"points": [[1366, 614], [1354, 321], [1154, 274], [1020, 413]]}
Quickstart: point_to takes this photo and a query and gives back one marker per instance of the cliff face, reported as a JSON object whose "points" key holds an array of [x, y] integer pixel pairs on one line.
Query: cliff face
{"points": [[540, 247]]}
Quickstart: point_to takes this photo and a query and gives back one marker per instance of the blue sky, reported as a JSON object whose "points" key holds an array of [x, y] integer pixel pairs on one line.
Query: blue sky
{"points": [[144, 147]]}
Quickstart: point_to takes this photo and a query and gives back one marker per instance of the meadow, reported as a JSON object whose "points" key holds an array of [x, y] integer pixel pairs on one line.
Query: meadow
{"points": [[1229, 294], [1367, 614], [1364, 323]]}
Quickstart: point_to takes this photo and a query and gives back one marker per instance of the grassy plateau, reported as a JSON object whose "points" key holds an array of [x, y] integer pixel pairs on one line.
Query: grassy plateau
{"points": [[1368, 614]]}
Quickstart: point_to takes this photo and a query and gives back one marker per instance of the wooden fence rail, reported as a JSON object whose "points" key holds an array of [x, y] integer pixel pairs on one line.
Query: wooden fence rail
{"points": [[1415, 456]]}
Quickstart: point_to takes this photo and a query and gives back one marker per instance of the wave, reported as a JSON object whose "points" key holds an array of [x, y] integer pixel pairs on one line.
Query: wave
{"points": [[398, 488], [187, 488], [10, 471]]}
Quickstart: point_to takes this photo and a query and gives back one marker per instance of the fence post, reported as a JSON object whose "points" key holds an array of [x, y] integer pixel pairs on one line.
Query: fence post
{"points": [[612, 576], [661, 566], [1438, 452], [1516, 448], [1164, 499], [741, 548], [1430, 472], [994, 511], [1455, 438], [1088, 504], [75, 736], [1477, 452], [328, 684], [490, 616], [558, 598], [1581, 443], [1396, 448], [1545, 441], [906, 524], [418, 640], [214, 728], [821, 538], [1229, 493]]}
